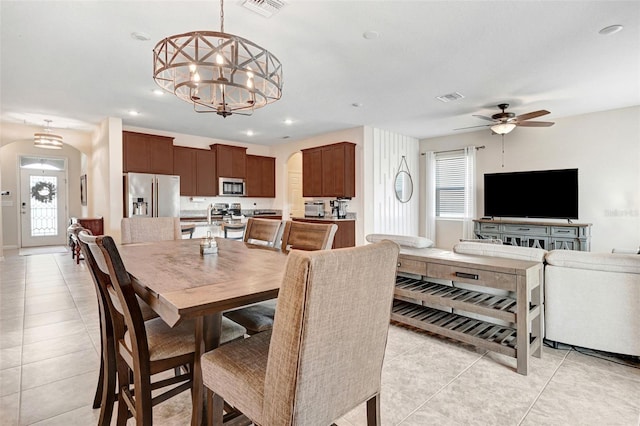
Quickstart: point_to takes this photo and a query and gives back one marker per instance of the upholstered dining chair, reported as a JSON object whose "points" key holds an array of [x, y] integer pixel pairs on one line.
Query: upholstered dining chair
{"points": [[308, 236], [324, 355], [298, 235], [149, 229], [262, 231], [135, 348]]}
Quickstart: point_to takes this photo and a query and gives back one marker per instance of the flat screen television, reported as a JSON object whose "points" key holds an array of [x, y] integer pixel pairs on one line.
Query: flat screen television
{"points": [[533, 194]]}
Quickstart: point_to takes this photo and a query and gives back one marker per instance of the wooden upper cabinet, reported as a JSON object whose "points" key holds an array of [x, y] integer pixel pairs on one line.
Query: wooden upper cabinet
{"points": [[261, 176], [196, 168], [184, 165], [231, 161], [329, 171], [312, 173], [206, 182], [143, 153]]}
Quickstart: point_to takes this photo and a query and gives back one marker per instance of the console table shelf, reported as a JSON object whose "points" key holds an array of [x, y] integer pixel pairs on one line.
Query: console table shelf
{"points": [[479, 333], [425, 301]]}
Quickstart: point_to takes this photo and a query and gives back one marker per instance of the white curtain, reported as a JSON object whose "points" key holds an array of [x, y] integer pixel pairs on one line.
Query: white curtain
{"points": [[469, 192], [430, 184]]}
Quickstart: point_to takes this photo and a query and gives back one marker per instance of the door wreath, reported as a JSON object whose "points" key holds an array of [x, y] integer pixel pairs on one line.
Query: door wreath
{"points": [[43, 192]]}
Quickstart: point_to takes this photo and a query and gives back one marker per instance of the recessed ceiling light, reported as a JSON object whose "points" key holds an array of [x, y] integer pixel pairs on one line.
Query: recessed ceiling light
{"points": [[140, 36], [611, 29], [158, 92], [288, 122], [133, 112], [356, 104], [371, 35], [249, 132]]}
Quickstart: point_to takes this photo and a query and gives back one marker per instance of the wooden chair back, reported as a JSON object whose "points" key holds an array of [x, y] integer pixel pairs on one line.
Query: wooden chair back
{"points": [[105, 393], [262, 231], [308, 236], [330, 328], [148, 229]]}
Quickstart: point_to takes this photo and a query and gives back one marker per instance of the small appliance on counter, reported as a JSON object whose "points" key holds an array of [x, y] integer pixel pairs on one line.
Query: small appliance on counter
{"points": [[314, 209], [235, 209], [339, 207]]}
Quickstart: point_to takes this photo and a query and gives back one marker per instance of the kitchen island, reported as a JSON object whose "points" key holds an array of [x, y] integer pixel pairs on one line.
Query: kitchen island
{"points": [[346, 233]]}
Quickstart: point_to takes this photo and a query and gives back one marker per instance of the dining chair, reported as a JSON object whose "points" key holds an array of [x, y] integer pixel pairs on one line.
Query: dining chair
{"points": [[262, 231], [308, 236], [138, 349], [324, 355], [149, 229], [298, 235], [233, 227]]}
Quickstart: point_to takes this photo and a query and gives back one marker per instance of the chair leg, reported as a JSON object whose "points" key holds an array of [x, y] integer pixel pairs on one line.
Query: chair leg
{"points": [[97, 398], [215, 409], [373, 410], [109, 384]]}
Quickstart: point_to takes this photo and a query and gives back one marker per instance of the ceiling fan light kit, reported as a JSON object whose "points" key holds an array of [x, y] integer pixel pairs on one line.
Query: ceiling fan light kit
{"points": [[503, 128], [47, 139], [217, 72]]}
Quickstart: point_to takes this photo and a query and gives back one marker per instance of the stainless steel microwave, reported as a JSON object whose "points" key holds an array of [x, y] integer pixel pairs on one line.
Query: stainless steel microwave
{"points": [[231, 187]]}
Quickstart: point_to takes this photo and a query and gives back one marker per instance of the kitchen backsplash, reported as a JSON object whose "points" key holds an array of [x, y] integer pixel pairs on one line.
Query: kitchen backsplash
{"points": [[247, 203]]}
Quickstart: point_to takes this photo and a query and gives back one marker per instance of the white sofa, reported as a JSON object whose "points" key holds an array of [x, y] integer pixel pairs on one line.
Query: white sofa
{"points": [[592, 300]]}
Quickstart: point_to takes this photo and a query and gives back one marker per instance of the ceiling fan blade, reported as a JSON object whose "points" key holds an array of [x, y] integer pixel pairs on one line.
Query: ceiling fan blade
{"points": [[530, 115], [535, 123], [473, 127], [484, 118]]}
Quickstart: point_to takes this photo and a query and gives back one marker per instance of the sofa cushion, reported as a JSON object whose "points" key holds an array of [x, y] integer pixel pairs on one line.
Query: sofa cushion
{"points": [[402, 240], [612, 262], [500, 250]]}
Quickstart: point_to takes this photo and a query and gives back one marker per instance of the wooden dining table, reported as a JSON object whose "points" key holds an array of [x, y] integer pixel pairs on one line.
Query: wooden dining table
{"points": [[179, 283]]}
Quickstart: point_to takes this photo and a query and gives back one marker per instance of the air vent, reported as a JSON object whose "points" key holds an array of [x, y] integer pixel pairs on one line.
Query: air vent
{"points": [[450, 97], [266, 8]]}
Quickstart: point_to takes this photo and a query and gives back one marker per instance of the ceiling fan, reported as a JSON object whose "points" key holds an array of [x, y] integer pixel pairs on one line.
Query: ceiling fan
{"points": [[504, 122]]}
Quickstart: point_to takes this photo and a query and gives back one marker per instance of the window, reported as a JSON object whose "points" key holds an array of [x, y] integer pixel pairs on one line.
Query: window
{"points": [[450, 184]]}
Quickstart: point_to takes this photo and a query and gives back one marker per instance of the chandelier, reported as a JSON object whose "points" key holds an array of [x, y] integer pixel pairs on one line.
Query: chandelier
{"points": [[217, 72], [47, 139]]}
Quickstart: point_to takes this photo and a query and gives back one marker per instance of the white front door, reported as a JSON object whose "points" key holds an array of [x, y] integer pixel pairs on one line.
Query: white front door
{"points": [[43, 207]]}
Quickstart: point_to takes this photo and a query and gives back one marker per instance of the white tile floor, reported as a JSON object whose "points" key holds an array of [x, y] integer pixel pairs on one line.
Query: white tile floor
{"points": [[49, 367]]}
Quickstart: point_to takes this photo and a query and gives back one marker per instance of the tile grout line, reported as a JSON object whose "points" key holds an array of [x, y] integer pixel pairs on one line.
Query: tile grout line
{"points": [[524, 416], [443, 387]]}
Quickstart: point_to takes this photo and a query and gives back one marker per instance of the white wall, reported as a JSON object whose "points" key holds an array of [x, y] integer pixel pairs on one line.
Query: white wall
{"points": [[384, 213], [604, 146]]}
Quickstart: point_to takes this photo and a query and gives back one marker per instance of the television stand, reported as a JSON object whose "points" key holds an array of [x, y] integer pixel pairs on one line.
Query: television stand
{"points": [[544, 235]]}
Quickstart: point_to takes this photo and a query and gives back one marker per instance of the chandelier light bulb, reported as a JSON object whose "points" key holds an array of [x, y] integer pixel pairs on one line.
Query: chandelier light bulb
{"points": [[193, 67], [219, 59]]}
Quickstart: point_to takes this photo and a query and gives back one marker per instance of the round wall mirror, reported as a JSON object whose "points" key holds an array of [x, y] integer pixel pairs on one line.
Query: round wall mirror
{"points": [[403, 186]]}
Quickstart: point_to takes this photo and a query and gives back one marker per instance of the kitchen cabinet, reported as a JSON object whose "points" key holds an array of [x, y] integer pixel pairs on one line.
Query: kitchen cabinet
{"points": [[206, 182], [231, 161], [184, 165], [261, 176], [196, 168], [329, 171], [345, 235], [143, 153]]}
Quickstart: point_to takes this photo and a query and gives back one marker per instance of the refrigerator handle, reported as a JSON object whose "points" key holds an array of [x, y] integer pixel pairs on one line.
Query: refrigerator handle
{"points": [[154, 197]]}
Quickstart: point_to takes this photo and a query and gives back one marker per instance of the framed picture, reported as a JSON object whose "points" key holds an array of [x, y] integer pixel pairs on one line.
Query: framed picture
{"points": [[83, 190]]}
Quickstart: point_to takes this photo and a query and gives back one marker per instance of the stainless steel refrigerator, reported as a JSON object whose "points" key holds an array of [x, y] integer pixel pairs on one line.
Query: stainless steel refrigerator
{"points": [[152, 195]]}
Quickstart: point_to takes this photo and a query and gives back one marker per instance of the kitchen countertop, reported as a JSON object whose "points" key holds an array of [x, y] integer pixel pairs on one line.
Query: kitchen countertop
{"points": [[325, 219]]}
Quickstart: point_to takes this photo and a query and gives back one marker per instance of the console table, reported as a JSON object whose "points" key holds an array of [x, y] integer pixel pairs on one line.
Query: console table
{"points": [[544, 235], [428, 305]]}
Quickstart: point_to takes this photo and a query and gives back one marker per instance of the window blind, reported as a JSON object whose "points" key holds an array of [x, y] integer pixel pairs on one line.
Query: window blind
{"points": [[450, 179]]}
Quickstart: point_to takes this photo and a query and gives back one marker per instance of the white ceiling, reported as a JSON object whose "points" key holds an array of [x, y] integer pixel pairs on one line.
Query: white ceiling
{"points": [[76, 63]]}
